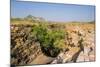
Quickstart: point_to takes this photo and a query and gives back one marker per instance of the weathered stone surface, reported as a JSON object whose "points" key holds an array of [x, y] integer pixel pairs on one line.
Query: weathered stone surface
{"points": [[81, 36], [66, 56], [79, 41], [42, 59], [23, 48]]}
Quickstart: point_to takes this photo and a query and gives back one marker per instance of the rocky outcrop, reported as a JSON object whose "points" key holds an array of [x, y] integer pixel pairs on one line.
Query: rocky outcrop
{"points": [[79, 41], [24, 48], [67, 56], [81, 44]]}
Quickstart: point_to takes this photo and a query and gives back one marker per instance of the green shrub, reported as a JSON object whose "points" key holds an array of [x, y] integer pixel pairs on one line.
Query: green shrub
{"points": [[48, 39]]}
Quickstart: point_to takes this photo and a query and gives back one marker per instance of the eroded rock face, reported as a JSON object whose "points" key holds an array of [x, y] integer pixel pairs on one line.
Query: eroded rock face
{"points": [[82, 38], [24, 48], [79, 40]]}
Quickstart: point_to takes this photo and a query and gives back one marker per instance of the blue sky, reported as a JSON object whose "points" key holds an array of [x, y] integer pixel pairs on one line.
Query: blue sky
{"points": [[53, 12]]}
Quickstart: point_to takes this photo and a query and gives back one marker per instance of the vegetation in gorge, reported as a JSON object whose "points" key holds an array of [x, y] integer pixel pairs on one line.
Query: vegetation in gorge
{"points": [[33, 38], [51, 40]]}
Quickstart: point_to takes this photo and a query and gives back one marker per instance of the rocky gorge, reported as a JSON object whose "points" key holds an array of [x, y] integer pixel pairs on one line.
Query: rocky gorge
{"points": [[79, 45]]}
